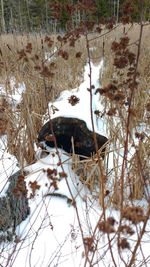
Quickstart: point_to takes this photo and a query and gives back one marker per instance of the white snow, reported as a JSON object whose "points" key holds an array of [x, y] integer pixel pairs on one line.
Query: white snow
{"points": [[51, 235], [49, 56], [8, 165], [14, 94], [82, 109]]}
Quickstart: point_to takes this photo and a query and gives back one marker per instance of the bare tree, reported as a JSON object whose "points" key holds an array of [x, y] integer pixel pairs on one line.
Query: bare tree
{"points": [[117, 14], [2, 18], [46, 14]]}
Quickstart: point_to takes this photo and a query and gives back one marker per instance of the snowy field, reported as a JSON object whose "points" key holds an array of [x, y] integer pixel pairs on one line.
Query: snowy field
{"points": [[54, 232]]}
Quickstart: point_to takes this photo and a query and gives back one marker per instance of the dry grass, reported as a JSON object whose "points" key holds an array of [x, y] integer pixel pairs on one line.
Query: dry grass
{"points": [[127, 176], [137, 160], [41, 87], [32, 61]]}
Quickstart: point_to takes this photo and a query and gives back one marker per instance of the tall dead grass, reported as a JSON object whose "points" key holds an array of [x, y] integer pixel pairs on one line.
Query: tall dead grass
{"points": [[33, 60], [125, 169], [137, 160]]}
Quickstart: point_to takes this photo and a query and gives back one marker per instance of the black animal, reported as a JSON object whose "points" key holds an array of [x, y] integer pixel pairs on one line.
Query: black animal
{"points": [[67, 128]]}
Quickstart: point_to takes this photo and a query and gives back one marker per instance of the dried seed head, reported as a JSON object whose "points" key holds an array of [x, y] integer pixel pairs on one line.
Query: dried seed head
{"points": [[106, 227], [148, 106], [123, 244], [89, 243], [125, 229], [73, 100], [134, 214]]}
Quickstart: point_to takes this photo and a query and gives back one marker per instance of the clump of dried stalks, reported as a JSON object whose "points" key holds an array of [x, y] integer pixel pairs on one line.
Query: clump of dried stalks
{"points": [[36, 61], [137, 158]]}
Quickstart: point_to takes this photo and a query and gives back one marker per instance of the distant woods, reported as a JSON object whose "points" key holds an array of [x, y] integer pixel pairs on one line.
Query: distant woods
{"points": [[55, 16]]}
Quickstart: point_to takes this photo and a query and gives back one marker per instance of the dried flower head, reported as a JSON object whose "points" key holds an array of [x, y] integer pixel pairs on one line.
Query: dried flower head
{"points": [[73, 100], [34, 186], [20, 188], [106, 227], [120, 62], [89, 243], [63, 54], [78, 55], [125, 229], [62, 174], [140, 136], [134, 214], [29, 48], [51, 172], [111, 221], [111, 112], [123, 244]]}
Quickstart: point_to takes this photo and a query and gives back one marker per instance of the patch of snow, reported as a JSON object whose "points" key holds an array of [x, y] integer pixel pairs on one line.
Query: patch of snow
{"points": [[82, 109], [92, 48], [16, 90], [51, 235], [8, 166], [49, 56]]}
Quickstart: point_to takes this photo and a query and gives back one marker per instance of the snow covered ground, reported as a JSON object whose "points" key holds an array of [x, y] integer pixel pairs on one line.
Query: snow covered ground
{"points": [[53, 233], [82, 109], [8, 165], [16, 90]]}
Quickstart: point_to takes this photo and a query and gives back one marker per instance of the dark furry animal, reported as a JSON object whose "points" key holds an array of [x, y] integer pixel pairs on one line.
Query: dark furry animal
{"points": [[66, 128]]}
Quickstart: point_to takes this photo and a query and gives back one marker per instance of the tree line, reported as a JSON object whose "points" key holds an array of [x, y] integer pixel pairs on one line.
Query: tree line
{"points": [[38, 15]]}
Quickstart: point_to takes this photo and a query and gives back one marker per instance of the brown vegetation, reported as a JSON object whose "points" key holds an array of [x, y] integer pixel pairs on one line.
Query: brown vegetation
{"points": [[125, 96], [39, 62]]}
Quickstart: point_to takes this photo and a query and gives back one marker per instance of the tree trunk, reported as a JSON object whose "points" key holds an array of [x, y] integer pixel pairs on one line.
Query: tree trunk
{"points": [[20, 17], [114, 8], [3, 18], [28, 16], [46, 14], [117, 15]]}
